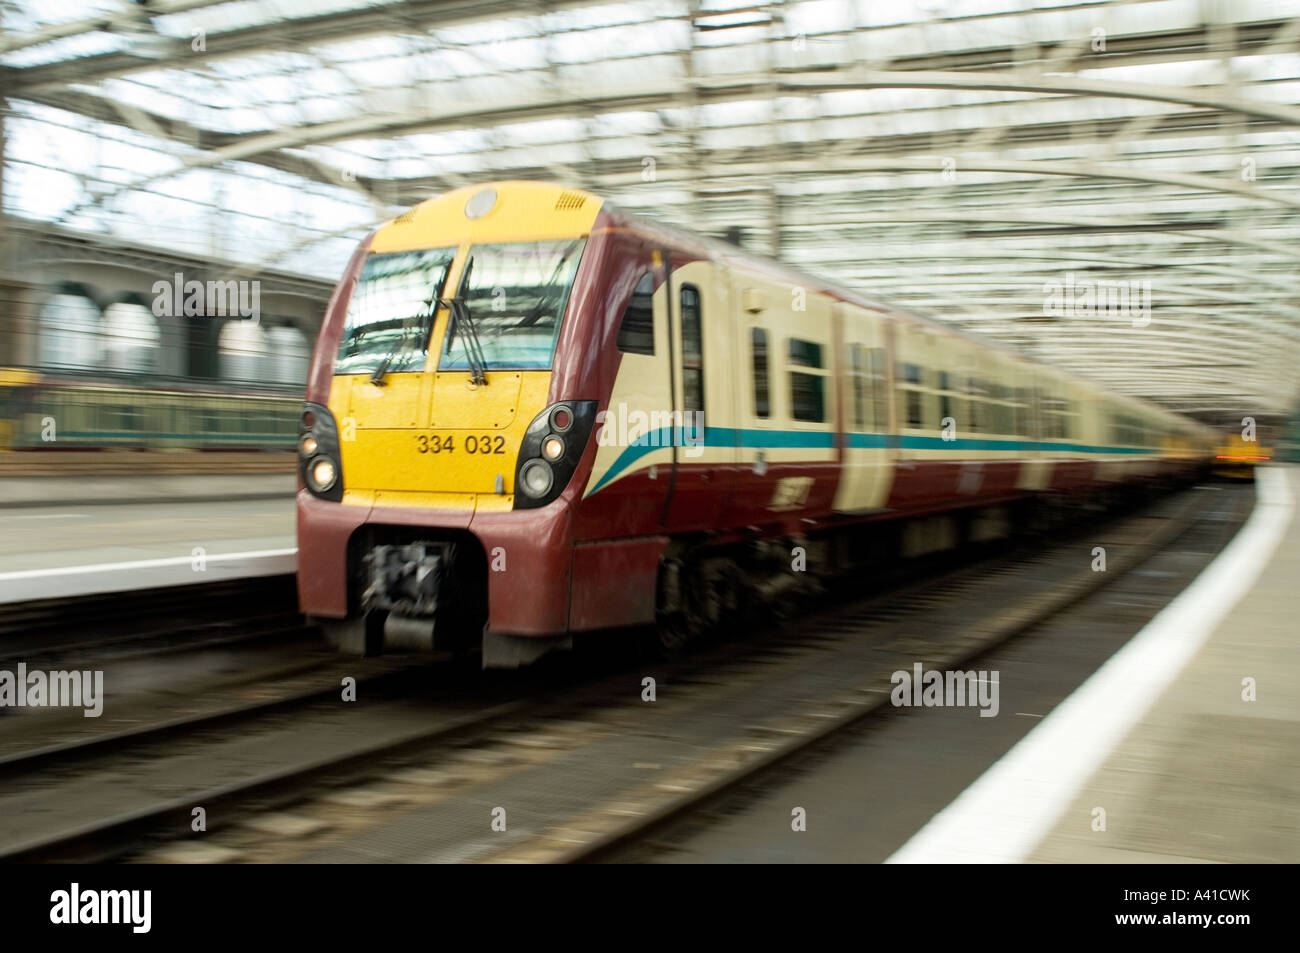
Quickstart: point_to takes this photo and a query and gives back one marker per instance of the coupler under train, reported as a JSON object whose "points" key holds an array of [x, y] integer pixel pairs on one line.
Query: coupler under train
{"points": [[416, 596]]}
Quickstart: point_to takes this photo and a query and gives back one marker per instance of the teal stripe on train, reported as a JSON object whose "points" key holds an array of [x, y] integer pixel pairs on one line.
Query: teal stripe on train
{"points": [[690, 437], [866, 441]]}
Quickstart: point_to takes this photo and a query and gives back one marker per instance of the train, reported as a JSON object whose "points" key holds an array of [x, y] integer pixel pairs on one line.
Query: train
{"points": [[532, 416], [1236, 457]]}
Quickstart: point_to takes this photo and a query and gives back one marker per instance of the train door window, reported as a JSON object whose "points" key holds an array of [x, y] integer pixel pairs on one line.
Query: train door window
{"points": [[692, 350], [861, 384], [879, 388], [807, 385], [636, 332], [762, 384]]}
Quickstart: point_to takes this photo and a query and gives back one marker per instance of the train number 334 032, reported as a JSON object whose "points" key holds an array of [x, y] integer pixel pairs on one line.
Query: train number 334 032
{"points": [[436, 443]]}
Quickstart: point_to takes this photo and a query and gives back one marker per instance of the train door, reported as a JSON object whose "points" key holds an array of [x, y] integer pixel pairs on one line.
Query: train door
{"points": [[868, 459], [702, 414]]}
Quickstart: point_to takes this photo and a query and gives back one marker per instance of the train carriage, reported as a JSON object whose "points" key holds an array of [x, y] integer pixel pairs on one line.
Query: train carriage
{"points": [[531, 414]]}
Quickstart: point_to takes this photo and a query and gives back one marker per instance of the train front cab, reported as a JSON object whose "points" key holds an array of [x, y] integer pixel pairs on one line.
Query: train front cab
{"points": [[1236, 458], [436, 480]]}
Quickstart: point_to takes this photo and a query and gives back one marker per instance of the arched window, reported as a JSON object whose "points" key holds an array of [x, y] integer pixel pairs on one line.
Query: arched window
{"points": [[69, 332], [290, 355], [131, 338], [242, 353]]}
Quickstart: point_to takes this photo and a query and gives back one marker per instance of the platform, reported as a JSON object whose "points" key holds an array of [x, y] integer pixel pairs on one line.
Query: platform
{"points": [[1165, 738], [64, 550], [73, 488]]}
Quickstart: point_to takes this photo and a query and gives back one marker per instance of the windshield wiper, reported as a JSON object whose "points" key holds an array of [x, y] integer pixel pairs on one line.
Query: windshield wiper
{"points": [[460, 317], [377, 378]]}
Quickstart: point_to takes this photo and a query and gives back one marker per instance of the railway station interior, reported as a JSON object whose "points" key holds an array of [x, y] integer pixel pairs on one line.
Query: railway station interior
{"points": [[972, 536]]}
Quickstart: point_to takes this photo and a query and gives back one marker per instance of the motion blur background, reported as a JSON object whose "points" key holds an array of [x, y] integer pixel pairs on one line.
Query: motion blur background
{"points": [[963, 158]]}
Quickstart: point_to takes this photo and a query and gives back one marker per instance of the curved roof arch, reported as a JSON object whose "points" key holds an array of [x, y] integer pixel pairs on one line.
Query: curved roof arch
{"points": [[956, 156]]}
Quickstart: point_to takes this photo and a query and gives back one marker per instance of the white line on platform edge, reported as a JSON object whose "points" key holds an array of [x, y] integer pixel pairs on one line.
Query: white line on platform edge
{"points": [[1009, 809], [145, 564]]}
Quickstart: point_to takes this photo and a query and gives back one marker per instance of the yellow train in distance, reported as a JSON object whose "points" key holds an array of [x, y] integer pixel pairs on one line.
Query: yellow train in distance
{"points": [[1236, 459]]}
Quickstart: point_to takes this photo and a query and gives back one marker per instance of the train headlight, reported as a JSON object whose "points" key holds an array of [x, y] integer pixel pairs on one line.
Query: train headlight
{"points": [[322, 474], [551, 451], [536, 478], [320, 462]]}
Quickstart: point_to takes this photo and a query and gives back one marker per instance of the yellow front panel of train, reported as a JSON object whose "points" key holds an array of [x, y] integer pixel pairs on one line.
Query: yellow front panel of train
{"points": [[460, 443]]}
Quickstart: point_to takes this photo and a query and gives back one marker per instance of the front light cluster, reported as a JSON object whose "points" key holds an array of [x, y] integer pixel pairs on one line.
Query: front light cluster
{"points": [[318, 453], [550, 451]]}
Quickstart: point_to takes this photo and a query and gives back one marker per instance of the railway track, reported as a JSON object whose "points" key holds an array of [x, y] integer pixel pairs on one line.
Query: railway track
{"points": [[145, 619], [702, 792], [436, 749]]}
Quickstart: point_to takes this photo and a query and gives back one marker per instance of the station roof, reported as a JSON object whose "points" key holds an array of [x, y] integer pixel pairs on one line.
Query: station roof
{"points": [[987, 162]]}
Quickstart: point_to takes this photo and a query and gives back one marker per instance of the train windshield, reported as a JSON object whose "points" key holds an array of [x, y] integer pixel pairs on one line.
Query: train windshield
{"points": [[391, 313], [515, 295]]}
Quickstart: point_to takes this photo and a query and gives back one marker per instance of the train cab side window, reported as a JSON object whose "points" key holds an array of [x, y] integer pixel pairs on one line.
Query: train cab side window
{"points": [[692, 350], [808, 382], [762, 388], [636, 332]]}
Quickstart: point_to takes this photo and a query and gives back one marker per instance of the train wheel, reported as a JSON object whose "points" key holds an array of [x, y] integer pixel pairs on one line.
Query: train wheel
{"points": [[697, 601], [672, 633]]}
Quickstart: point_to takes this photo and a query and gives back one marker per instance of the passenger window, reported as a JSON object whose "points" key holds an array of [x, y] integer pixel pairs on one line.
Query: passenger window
{"points": [[762, 393], [945, 397], [636, 332], [807, 389], [909, 379], [915, 418]]}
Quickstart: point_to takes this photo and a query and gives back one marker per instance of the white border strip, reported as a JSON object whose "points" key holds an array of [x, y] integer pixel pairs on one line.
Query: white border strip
{"points": [[1004, 815], [143, 564]]}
